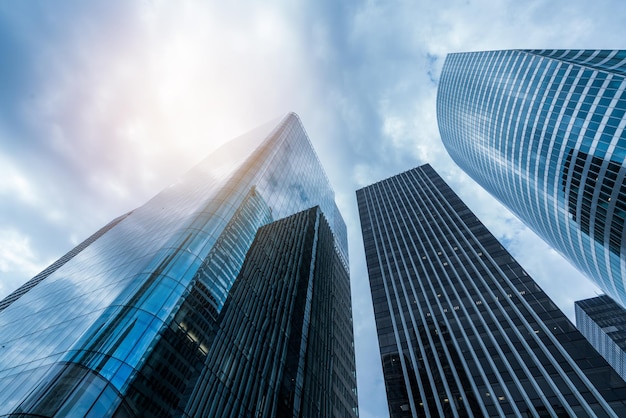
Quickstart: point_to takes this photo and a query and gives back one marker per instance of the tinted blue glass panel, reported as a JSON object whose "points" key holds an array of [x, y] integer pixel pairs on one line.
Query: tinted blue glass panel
{"points": [[151, 283], [546, 158]]}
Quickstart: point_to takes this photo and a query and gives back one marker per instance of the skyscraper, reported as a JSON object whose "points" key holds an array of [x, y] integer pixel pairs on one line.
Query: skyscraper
{"points": [[543, 132], [463, 330], [603, 322], [286, 329], [127, 318]]}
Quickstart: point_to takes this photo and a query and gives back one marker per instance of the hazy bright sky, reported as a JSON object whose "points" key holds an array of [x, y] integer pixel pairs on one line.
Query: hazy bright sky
{"points": [[104, 103]]}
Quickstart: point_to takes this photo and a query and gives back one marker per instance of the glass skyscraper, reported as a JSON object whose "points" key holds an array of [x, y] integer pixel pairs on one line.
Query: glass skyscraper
{"points": [[603, 322], [283, 347], [463, 330], [543, 132], [127, 319]]}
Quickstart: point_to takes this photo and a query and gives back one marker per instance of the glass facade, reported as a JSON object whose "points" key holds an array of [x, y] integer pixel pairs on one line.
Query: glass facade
{"points": [[283, 344], [463, 330], [603, 322], [18, 293], [127, 319], [543, 131]]}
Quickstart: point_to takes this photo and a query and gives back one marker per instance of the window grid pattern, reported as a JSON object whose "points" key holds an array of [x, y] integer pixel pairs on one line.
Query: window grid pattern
{"points": [[102, 317], [462, 329], [603, 322], [19, 292], [283, 343], [539, 129]]}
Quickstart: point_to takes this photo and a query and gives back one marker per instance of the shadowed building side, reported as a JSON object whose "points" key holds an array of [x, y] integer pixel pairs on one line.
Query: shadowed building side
{"points": [[603, 322], [463, 330], [282, 346]]}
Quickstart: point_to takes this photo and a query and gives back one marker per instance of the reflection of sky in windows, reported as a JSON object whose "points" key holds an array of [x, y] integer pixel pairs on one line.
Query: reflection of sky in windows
{"points": [[118, 293], [509, 119]]}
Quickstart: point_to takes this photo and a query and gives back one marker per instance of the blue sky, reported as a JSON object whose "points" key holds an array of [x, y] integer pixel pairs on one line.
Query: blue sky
{"points": [[104, 103]]}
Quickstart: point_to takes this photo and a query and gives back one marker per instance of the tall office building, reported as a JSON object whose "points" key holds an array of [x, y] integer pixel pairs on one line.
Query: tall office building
{"points": [[463, 330], [543, 132], [603, 322], [125, 321], [284, 343]]}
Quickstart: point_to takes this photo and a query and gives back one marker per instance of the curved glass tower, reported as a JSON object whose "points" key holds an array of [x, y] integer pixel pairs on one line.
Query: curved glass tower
{"points": [[543, 131], [123, 324]]}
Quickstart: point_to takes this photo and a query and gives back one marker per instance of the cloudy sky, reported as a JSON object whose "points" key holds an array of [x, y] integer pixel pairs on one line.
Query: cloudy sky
{"points": [[104, 103]]}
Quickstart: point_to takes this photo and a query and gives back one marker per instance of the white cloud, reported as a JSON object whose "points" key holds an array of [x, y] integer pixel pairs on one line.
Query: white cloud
{"points": [[14, 184], [122, 98], [17, 259]]}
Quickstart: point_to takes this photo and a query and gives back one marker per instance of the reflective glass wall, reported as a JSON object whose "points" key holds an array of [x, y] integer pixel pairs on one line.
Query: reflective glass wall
{"points": [[283, 345], [543, 131], [93, 337]]}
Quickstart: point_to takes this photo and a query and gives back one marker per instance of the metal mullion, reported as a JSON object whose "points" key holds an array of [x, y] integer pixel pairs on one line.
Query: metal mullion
{"points": [[534, 205], [546, 352], [376, 224], [556, 181], [507, 111], [534, 111], [567, 235], [509, 342], [466, 60], [461, 388], [480, 316], [402, 316], [428, 367], [439, 366], [541, 205], [509, 320], [476, 333], [585, 174], [532, 63], [601, 174]]}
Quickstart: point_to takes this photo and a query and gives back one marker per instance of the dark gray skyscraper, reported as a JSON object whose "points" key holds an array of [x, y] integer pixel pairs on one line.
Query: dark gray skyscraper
{"points": [[544, 131], [133, 321], [463, 330], [603, 322]]}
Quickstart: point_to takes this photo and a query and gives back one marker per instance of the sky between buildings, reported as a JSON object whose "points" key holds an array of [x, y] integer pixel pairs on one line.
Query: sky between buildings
{"points": [[104, 103]]}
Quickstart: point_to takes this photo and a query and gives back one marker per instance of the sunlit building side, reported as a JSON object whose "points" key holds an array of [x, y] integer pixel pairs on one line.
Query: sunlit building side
{"points": [[123, 325]]}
